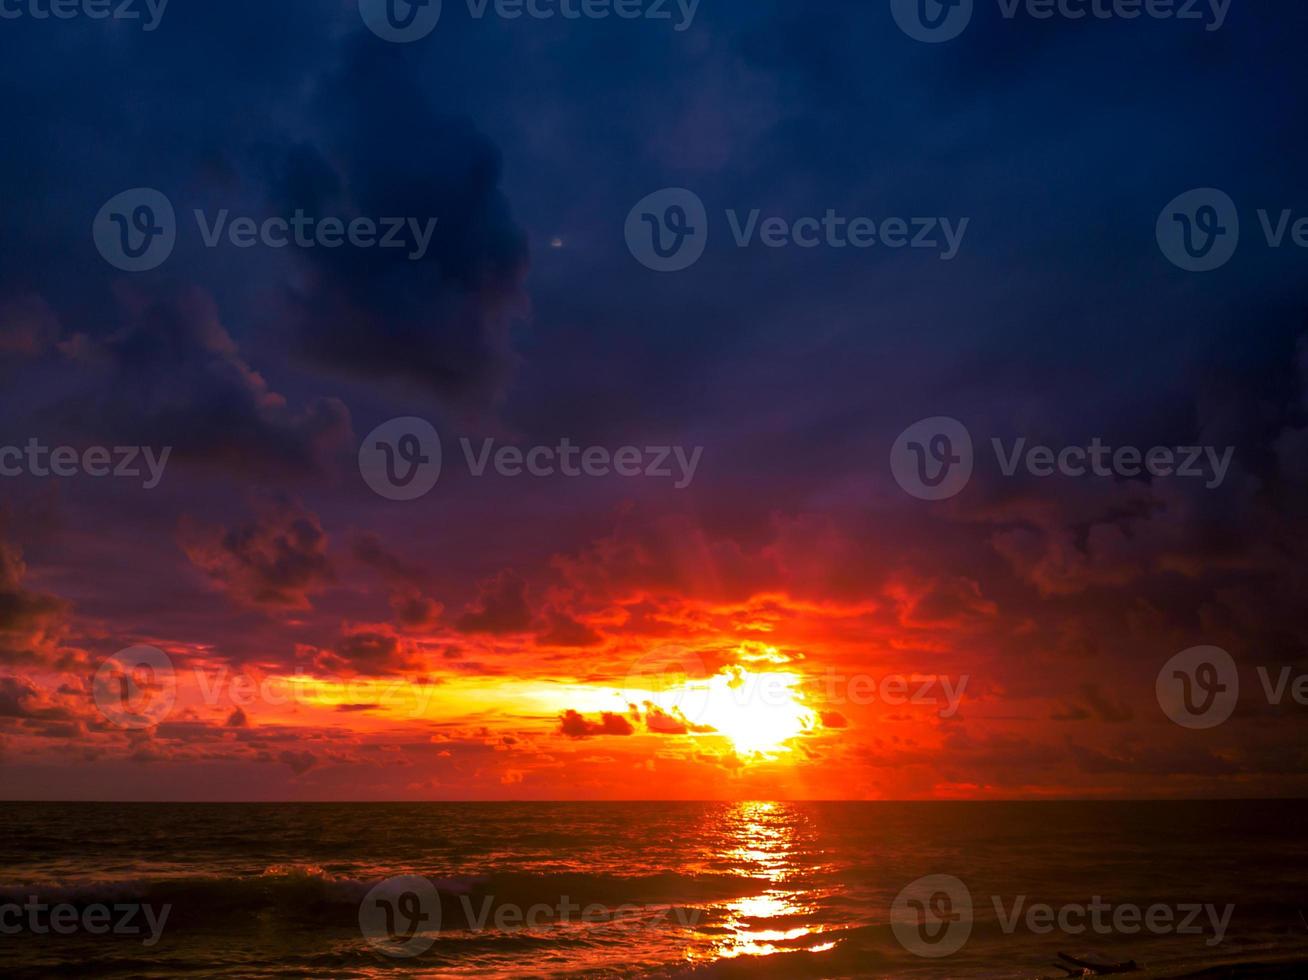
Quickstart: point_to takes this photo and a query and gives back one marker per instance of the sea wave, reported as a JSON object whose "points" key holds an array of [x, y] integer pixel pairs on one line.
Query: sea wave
{"points": [[305, 891]]}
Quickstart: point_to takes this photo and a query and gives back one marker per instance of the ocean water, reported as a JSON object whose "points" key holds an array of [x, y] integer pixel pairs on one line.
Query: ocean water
{"points": [[646, 889]]}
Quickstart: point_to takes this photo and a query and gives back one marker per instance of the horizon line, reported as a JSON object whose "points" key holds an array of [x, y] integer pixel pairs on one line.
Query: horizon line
{"points": [[516, 802]]}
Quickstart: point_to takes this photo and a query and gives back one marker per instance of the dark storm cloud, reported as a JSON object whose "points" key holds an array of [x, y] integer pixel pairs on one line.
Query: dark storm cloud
{"points": [[372, 652], [173, 376], [563, 630], [31, 622], [372, 551], [438, 323], [318, 115], [276, 560], [501, 607]]}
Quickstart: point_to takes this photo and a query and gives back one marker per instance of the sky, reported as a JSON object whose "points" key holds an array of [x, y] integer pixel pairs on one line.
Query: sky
{"points": [[756, 600]]}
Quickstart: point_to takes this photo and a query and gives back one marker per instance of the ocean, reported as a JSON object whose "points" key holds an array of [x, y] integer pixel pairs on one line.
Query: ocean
{"points": [[820, 890]]}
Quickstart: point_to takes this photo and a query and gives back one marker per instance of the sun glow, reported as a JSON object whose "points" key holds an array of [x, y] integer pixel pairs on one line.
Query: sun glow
{"points": [[758, 712]]}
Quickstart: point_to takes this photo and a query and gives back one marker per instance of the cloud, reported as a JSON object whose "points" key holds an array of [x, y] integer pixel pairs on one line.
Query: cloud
{"points": [[369, 549], [32, 623], [28, 325], [27, 708], [662, 723], [275, 561], [172, 375], [1100, 706], [373, 651], [437, 322], [672, 722], [562, 630], [576, 725], [501, 608], [300, 762], [415, 611]]}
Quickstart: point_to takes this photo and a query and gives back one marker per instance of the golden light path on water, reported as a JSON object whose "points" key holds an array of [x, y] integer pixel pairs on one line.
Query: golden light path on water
{"points": [[769, 856], [779, 919]]}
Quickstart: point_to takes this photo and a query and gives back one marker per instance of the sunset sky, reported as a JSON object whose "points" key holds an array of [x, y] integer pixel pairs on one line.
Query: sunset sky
{"points": [[739, 637]]}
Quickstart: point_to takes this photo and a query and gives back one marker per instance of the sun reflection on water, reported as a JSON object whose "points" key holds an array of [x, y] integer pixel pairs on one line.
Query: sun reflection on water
{"points": [[766, 841]]}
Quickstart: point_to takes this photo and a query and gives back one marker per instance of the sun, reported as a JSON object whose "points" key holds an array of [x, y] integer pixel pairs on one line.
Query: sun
{"points": [[759, 712]]}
